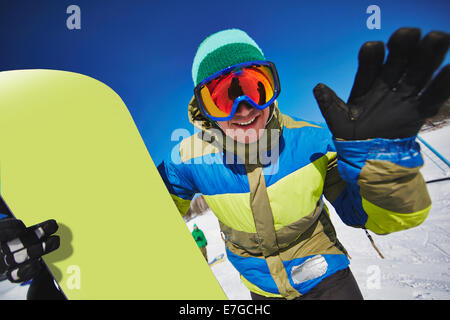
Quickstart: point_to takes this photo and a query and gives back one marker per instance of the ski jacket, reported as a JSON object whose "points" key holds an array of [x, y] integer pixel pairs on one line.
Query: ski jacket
{"points": [[199, 237], [277, 228]]}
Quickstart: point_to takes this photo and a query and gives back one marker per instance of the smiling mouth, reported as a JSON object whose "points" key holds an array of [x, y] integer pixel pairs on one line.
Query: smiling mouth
{"points": [[246, 123]]}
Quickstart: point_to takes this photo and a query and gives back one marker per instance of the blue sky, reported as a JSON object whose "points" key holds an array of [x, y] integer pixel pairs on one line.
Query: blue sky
{"points": [[144, 49]]}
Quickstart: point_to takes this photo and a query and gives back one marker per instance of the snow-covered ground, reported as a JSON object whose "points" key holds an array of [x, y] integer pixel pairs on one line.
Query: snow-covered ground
{"points": [[416, 263], [224, 271]]}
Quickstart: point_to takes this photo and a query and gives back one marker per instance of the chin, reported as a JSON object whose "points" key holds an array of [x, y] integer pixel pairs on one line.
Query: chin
{"points": [[245, 136], [250, 136], [248, 133]]}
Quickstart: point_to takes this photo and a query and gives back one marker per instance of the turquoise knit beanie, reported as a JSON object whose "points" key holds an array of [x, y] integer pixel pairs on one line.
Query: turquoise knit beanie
{"points": [[221, 50]]}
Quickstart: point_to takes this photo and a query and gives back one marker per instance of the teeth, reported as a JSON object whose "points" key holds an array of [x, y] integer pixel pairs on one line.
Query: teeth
{"points": [[246, 123]]}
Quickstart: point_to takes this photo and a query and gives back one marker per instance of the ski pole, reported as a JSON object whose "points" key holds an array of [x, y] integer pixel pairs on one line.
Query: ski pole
{"points": [[440, 156]]}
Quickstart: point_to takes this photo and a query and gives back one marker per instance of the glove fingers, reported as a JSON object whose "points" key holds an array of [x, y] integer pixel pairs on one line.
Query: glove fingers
{"points": [[31, 235], [35, 251], [327, 99], [43, 229], [426, 60], [10, 228], [334, 110], [401, 45], [25, 272], [436, 94], [370, 58]]}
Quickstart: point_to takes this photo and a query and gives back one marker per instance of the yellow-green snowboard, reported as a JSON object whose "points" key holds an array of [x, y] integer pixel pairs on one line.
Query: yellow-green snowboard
{"points": [[70, 151]]}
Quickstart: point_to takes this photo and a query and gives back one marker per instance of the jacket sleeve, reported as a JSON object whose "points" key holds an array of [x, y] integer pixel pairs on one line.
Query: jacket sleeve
{"points": [[203, 237], [376, 184], [178, 184]]}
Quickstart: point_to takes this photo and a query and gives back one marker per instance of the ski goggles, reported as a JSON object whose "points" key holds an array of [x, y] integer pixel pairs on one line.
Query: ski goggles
{"points": [[255, 82]]}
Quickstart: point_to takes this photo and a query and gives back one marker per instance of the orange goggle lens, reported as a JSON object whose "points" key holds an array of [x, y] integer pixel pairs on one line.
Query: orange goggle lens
{"points": [[219, 94]]}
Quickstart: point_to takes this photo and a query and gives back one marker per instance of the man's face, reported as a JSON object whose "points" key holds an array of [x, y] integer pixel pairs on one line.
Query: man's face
{"points": [[247, 124]]}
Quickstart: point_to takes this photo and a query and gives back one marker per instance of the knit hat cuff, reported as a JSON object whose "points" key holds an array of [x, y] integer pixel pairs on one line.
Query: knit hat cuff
{"points": [[221, 50]]}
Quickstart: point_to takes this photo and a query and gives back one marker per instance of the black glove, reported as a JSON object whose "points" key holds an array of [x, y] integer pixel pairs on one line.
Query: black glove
{"points": [[21, 248], [391, 99]]}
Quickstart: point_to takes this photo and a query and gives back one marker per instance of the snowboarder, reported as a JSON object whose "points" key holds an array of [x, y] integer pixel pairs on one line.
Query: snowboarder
{"points": [[277, 229], [265, 174], [201, 241]]}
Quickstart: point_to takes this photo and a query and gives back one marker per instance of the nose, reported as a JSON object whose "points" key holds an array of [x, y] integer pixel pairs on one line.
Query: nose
{"points": [[244, 109]]}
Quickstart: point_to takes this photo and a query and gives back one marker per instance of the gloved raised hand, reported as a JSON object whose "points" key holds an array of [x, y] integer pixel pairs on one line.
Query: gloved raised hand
{"points": [[21, 248], [391, 99]]}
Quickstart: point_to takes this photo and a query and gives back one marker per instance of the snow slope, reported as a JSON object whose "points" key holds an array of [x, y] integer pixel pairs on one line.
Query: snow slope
{"points": [[417, 261], [225, 273]]}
